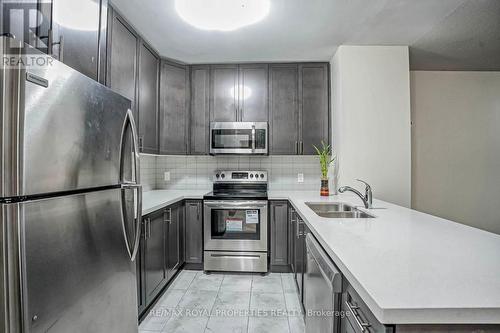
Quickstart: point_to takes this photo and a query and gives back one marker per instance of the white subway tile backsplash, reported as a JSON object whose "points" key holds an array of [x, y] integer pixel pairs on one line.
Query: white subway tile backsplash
{"points": [[195, 172]]}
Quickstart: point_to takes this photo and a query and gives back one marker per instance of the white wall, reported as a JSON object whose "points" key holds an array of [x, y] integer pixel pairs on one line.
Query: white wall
{"points": [[456, 146], [371, 119]]}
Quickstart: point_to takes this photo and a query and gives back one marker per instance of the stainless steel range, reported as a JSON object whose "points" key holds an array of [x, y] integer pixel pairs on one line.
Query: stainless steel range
{"points": [[235, 218]]}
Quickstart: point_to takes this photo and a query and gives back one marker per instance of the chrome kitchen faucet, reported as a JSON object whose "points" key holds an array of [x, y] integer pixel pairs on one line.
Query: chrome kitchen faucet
{"points": [[367, 198]]}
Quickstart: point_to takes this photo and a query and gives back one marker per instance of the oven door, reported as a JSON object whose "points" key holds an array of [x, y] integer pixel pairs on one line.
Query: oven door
{"points": [[238, 138], [235, 225]]}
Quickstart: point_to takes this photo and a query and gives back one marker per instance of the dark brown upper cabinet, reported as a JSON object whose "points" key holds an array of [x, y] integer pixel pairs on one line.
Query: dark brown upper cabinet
{"points": [[253, 102], [74, 35], [284, 116], [149, 67], [314, 87], [199, 122], [239, 92], [223, 93], [299, 115], [123, 53], [174, 105]]}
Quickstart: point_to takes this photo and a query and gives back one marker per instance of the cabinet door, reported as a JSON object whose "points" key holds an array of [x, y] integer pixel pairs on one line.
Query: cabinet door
{"points": [[345, 326], [224, 93], [284, 111], [148, 100], [200, 110], [253, 91], [182, 234], [154, 254], [300, 250], [140, 271], [194, 232], [122, 64], [279, 232], [76, 41], [291, 238], [172, 236], [313, 92], [173, 109]]}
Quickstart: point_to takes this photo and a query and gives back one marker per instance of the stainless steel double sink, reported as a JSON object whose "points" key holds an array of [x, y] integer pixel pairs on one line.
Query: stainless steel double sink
{"points": [[337, 210]]}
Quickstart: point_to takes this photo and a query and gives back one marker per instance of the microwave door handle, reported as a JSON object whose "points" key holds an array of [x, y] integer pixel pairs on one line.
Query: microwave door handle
{"points": [[253, 138]]}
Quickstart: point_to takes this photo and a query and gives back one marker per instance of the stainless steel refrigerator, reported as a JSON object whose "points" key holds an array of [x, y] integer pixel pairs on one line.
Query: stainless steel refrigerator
{"points": [[70, 200]]}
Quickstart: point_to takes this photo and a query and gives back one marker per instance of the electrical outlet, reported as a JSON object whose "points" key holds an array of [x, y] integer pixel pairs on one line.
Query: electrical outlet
{"points": [[166, 176], [300, 178]]}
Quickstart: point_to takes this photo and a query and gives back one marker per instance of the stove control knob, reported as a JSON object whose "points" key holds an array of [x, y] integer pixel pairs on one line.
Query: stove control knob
{"points": [[251, 175], [217, 175], [256, 176], [262, 175], [222, 176]]}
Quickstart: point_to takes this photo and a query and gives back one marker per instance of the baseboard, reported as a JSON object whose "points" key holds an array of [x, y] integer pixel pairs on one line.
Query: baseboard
{"points": [[195, 267], [279, 269]]}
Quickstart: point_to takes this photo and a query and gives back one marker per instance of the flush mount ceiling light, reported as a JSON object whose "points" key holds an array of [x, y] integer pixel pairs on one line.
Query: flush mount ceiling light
{"points": [[222, 15]]}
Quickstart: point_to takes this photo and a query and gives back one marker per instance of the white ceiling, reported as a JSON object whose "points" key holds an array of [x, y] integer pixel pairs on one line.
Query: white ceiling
{"points": [[311, 30]]}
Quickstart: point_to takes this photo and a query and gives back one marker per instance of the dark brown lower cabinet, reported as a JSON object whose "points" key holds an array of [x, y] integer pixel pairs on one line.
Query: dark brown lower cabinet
{"points": [[291, 237], [161, 252], [194, 232], [300, 253], [154, 255], [278, 217], [358, 319], [141, 295]]}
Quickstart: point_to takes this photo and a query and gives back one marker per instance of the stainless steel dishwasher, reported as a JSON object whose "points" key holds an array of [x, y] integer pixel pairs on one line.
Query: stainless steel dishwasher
{"points": [[322, 290]]}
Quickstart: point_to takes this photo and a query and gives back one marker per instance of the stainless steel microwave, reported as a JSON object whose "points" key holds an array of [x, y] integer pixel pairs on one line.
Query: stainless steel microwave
{"points": [[239, 138]]}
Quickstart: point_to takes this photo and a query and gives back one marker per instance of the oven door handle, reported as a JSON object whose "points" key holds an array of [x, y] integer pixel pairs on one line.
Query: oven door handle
{"points": [[236, 204]]}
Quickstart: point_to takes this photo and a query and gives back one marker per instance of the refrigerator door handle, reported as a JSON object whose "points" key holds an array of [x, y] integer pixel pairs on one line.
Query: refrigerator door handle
{"points": [[137, 223], [129, 119], [138, 216], [134, 184]]}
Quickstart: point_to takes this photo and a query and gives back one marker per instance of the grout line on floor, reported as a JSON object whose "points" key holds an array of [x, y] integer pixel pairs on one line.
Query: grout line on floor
{"points": [[250, 304], [286, 307]]}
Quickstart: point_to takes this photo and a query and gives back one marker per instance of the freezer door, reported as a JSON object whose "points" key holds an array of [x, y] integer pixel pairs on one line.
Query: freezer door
{"points": [[78, 274], [64, 134]]}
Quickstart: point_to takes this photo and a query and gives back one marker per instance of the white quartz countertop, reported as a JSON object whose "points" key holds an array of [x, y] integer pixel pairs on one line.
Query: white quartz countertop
{"points": [[409, 267], [158, 199]]}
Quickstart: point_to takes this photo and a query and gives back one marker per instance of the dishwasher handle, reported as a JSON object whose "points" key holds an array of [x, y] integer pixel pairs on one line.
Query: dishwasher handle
{"points": [[327, 267]]}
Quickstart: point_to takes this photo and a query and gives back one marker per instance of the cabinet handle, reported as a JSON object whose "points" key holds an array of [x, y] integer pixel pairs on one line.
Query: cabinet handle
{"points": [[169, 218], [362, 325], [147, 228], [60, 56], [198, 212], [296, 147], [301, 147], [141, 138]]}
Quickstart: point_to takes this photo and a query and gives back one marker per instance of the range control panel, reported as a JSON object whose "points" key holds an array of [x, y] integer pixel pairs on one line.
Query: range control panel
{"points": [[223, 176]]}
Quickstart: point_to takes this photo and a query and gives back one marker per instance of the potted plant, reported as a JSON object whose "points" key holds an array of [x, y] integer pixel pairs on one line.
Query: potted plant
{"points": [[325, 160]]}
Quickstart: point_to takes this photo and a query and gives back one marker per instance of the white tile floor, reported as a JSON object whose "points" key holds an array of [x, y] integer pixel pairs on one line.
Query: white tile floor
{"points": [[233, 303]]}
